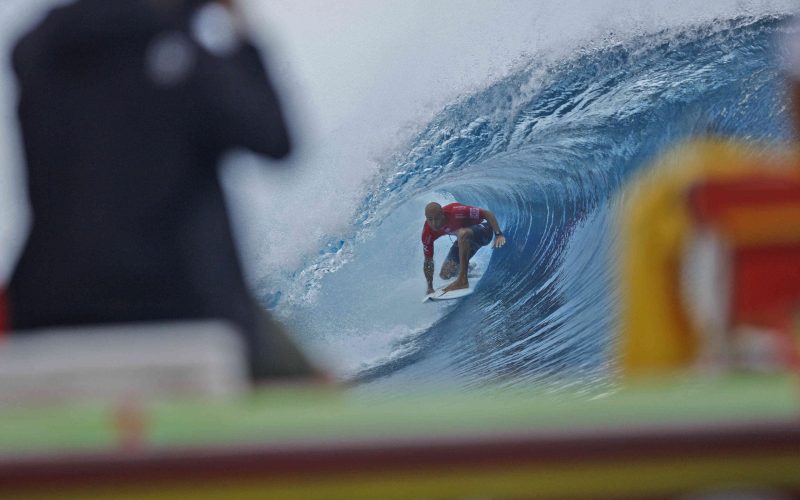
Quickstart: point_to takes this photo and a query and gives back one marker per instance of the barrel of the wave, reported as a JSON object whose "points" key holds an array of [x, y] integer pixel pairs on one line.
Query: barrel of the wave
{"points": [[688, 285]]}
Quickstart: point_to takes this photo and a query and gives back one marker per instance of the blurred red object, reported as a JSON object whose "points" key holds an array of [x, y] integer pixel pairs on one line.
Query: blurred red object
{"points": [[766, 280], [758, 217]]}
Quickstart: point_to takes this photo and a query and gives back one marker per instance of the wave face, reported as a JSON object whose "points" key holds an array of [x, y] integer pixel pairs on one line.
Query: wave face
{"points": [[546, 149]]}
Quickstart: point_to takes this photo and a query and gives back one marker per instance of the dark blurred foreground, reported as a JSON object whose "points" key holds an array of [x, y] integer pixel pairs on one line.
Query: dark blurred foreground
{"points": [[126, 108]]}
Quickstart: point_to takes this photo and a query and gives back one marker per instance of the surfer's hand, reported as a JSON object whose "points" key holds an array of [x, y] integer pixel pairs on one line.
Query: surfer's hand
{"points": [[499, 241]]}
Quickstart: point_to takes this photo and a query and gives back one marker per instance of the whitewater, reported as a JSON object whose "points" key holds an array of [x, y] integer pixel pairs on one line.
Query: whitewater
{"points": [[539, 111]]}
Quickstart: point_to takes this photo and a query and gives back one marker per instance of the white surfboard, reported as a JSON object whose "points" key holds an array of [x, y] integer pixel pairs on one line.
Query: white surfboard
{"points": [[440, 294], [474, 275]]}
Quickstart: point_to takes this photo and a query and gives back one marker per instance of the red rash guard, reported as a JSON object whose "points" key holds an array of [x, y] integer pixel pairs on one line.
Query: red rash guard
{"points": [[456, 216]]}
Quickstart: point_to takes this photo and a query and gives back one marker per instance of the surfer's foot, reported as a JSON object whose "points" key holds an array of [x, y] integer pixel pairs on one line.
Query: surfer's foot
{"points": [[457, 285]]}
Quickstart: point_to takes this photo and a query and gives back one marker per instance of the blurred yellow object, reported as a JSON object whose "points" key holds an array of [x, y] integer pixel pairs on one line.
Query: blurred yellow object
{"points": [[656, 223]]}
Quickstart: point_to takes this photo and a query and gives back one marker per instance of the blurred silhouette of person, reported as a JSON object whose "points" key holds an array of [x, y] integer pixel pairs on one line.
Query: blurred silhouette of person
{"points": [[125, 107]]}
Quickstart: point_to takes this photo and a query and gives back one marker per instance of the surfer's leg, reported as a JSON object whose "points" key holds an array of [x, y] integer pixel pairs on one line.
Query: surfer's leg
{"points": [[470, 240], [481, 235], [465, 236], [450, 264], [464, 252], [449, 269]]}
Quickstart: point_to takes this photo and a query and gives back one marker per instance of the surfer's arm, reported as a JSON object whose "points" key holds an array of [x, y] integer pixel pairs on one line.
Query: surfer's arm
{"points": [[428, 268], [427, 250], [499, 239]]}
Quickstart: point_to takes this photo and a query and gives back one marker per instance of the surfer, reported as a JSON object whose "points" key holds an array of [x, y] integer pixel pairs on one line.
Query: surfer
{"points": [[473, 228]]}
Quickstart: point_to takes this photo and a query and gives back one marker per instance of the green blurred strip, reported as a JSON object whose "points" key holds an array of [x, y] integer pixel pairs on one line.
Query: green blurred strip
{"points": [[296, 415]]}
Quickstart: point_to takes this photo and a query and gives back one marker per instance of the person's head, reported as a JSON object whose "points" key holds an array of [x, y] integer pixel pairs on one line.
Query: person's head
{"points": [[434, 215]]}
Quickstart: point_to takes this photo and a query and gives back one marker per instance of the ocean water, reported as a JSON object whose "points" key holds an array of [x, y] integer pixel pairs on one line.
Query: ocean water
{"points": [[547, 148]]}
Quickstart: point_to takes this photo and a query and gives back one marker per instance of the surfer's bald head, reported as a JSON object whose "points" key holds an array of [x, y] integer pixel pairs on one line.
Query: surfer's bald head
{"points": [[432, 209], [434, 215]]}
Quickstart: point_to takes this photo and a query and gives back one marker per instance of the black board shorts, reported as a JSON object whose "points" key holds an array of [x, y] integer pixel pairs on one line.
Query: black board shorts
{"points": [[481, 236]]}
